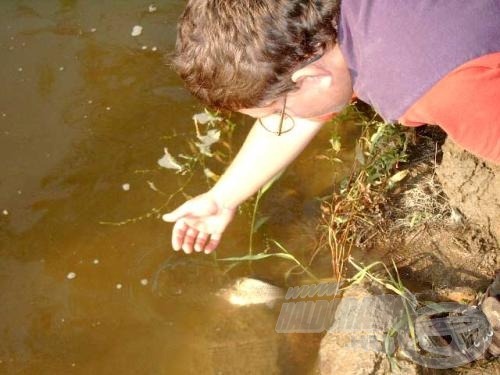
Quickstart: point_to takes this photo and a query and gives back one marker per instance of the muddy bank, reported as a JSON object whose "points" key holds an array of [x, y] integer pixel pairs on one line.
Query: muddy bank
{"points": [[472, 186], [441, 226], [444, 221]]}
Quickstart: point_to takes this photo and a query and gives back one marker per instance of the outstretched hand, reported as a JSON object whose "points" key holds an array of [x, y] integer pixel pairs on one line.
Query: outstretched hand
{"points": [[199, 224]]}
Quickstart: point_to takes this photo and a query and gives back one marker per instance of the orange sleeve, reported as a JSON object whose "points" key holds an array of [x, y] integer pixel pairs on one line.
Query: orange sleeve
{"points": [[466, 105]]}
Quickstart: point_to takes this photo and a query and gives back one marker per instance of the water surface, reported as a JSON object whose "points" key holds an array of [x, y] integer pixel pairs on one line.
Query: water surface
{"points": [[85, 109]]}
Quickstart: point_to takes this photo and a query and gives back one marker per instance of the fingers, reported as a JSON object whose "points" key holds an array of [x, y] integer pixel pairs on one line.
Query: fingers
{"points": [[188, 239], [201, 241], [178, 234], [177, 213], [173, 216], [213, 243]]}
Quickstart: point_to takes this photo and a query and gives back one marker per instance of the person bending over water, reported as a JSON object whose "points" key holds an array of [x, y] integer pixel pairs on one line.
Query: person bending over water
{"points": [[294, 64]]}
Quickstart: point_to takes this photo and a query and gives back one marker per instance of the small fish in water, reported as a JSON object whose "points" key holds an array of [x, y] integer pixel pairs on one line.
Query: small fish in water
{"points": [[247, 291]]}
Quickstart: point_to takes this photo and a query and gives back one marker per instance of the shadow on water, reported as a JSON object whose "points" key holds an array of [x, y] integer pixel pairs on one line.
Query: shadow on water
{"points": [[85, 108]]}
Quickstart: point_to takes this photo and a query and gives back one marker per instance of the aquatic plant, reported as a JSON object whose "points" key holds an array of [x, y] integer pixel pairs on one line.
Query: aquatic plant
{"points": [[284, 254], [352, 215]]}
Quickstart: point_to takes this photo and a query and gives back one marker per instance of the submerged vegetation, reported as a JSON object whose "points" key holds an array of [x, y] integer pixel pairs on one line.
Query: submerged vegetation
{"points": [[351, 216]]}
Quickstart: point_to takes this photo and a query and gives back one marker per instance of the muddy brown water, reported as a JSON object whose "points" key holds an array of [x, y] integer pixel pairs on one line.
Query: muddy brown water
{"points": [[85, 109]]}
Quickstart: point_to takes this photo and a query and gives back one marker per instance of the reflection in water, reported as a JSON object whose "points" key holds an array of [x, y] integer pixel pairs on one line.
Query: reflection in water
{"points": [[84, 108]]}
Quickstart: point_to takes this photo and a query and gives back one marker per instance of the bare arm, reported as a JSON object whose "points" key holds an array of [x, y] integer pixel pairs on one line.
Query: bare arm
{"points": [[202, 220], [261, 157]]}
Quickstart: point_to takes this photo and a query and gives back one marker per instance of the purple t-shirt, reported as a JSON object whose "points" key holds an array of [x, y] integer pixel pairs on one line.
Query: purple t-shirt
{"points": [[397, 50]]}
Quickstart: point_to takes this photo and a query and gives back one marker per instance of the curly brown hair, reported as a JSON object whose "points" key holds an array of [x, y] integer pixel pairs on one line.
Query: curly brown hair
{"points": [[235, 54]]}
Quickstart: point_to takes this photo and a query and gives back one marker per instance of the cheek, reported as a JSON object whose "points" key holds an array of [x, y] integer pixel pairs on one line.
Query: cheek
{"points": [[315, 106], [326, 102]]}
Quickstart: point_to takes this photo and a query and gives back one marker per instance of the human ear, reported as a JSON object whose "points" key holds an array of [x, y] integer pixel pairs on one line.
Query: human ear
{"points": [[312, 75]]}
